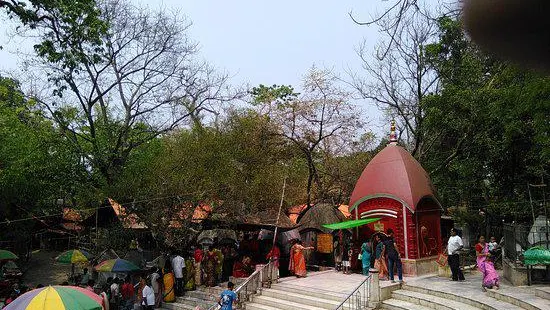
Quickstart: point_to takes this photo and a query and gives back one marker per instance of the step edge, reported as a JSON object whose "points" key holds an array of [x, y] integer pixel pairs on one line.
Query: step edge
{"points": [[287, 302], [451, 303], [389, 301], [455, 297], [301, 296], [515, 300]]}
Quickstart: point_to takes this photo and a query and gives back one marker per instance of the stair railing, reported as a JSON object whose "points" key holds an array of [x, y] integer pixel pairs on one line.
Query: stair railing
{"points": [[358, 299], [259, 279]]}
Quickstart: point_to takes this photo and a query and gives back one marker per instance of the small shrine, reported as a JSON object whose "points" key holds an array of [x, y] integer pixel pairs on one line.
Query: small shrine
{"points": [[395, 188]]}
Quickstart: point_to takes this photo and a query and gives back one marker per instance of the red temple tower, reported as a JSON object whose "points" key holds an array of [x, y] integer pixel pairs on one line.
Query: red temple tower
{"points": [[396, 188]]}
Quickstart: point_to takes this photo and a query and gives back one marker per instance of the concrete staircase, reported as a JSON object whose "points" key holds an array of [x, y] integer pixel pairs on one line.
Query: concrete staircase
{"points": [[204, 297], [447, 295], [289, 296]]}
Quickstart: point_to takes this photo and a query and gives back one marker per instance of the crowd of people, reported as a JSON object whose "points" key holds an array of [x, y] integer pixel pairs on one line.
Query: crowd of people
{"points": [[386, 256], [175, 274]]}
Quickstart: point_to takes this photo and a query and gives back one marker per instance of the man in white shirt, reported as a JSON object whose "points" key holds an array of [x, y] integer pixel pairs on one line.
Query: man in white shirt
{"points": [[178, 263], [148, 301], [453, 247]]}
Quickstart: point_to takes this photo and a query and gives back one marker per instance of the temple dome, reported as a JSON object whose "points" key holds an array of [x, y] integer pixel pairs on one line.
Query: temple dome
{"points": [[393, 173]]}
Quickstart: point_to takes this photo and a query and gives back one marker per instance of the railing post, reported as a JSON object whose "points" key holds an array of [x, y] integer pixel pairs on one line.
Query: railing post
{"points": [[374, 288]]}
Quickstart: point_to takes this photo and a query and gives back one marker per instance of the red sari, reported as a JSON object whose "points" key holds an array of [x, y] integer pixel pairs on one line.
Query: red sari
{"points": [[274, 255], [297, 261]]}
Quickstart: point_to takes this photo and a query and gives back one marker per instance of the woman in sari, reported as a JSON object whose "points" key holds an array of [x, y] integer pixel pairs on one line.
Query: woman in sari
{"points": [[380, 259], [365, 257], [197, 256], [190, 275], [219, 264], [485, 265], [242, 268], [210, 263], [169, 279], [297, 260]]}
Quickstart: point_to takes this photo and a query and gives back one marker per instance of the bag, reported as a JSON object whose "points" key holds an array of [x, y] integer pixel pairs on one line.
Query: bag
{"points": [[360, 256], [442, 259]]}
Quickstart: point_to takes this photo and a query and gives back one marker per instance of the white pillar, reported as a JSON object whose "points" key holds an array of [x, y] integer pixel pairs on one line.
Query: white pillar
{"points": [[374, 288]]}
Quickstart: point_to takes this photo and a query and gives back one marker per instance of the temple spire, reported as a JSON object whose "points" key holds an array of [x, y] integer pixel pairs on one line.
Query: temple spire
{"points": [[393, 135]]}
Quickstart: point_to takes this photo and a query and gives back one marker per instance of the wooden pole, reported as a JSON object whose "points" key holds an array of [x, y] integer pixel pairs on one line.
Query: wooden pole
{"points": [[279, 213]]}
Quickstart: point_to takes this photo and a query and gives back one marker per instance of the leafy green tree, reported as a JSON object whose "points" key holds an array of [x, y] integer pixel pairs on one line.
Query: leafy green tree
{"points": [[66, 26], [36, 167], [487, 120]]}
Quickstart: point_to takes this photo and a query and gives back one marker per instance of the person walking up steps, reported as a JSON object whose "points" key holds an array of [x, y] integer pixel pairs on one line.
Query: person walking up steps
{"points": [[393, 257], [453, 247]]}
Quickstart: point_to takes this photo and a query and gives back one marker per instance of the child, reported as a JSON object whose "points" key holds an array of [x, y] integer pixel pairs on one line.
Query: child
{"points": [[493, 247], [227, 297], [348, 252]]}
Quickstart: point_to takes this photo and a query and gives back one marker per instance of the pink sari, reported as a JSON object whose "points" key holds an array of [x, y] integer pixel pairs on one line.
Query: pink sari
{"points": [[487, 269]]}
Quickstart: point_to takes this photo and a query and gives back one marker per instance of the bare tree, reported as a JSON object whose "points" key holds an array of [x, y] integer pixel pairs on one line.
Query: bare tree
{"points": [[146, 81], [322, 113], [397, 12], [398, 80]]}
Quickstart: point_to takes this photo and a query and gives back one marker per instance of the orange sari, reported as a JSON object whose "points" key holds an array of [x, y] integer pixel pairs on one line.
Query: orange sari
{"points": [[297, 261], [169, 287]]}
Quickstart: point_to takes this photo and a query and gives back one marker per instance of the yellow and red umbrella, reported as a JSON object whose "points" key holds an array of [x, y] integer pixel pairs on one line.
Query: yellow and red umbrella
{"points": [[57, 298]]}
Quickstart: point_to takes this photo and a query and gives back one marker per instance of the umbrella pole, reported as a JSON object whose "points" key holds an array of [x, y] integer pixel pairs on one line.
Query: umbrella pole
{"points": [[279, 213]]}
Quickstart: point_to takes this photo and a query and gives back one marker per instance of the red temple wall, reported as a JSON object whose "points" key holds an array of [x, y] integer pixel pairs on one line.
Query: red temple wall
{"points": [[429, 228], [422, 232], [396, 224]]}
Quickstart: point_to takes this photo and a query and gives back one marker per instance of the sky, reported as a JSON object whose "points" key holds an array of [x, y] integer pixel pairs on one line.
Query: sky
{"points": [[271, 42]]}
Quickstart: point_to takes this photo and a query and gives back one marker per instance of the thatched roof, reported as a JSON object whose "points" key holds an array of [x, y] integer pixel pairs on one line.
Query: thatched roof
{"points": [[264, 219], [268, 218], [320, 214]]}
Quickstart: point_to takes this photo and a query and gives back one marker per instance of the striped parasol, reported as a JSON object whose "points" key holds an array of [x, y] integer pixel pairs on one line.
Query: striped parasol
{"points": [[73, 257], [116, 265], [57, 298]]}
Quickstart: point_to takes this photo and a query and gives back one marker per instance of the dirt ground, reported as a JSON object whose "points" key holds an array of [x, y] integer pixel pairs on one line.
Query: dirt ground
{"points": [[42, 269]]}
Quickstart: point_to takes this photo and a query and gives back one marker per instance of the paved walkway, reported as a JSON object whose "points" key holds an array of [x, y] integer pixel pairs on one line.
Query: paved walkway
{"points": [[471, 286], [330, 281]]}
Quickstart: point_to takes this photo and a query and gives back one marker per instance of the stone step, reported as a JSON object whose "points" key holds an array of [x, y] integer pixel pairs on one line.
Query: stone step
{"points": [[523, 298], [543, 292], [309, 291], [430, 301], [298, 297], [200, 295], [256, 306], [177, 306], [281, 303], [464, 296], [195, 301], [396, 304]]}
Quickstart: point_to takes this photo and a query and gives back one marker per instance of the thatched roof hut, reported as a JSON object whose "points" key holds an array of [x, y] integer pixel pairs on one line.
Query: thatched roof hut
{"points": [[316, 216]]}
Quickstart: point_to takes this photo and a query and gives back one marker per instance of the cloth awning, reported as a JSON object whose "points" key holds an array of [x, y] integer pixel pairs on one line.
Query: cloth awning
{"points": [[350, 224]]}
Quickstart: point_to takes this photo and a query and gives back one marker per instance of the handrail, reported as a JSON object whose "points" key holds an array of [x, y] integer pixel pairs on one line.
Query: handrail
{"points": [[249, 281], [354, 292]]}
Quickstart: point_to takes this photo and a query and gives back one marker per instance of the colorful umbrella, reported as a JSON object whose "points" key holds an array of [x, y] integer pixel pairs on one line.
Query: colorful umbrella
{"points": [[116, 265], [7, 255], [350, 224], [73, 257], [57, 298]]}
